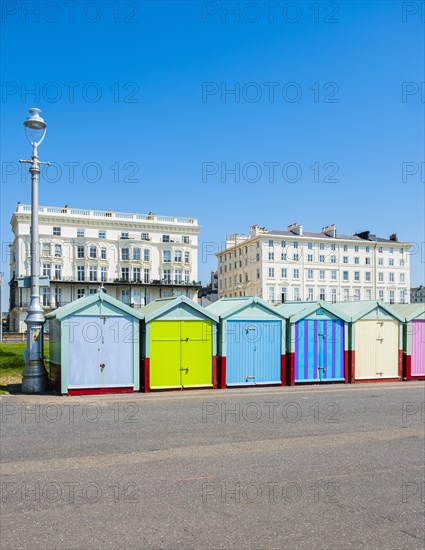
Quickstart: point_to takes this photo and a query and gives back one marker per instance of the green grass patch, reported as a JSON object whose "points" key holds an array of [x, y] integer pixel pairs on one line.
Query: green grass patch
{"points": [[12, 363]]}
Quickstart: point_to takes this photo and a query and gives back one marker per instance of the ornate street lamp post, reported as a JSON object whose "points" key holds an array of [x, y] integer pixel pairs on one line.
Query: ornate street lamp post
{"points": [[34, 377]]}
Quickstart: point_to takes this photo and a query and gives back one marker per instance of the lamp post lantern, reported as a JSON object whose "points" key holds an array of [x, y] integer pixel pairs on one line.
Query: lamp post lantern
{"points": [[34, 377]]}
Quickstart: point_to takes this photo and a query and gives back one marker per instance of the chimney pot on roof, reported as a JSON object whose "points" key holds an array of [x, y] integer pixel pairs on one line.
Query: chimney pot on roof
{"points": [[329, 230], [296, 229], [393, 237]]}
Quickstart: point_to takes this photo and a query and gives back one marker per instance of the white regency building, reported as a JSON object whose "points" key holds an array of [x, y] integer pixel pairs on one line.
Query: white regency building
{"points": [[136, 257], [294, 265]]}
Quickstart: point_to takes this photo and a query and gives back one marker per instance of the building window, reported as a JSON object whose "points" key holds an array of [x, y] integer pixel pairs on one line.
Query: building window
{"points": [[146, 254], [80, 251], [310, 274], [58, 272], [258, 273], [186, 239], [46, 249], [368, 276], [381, 295], [357, 275], [271, 256], [356, 248], [46, 270], [309, 257], [58, 296], [283, 294], [310, 246], [346, 295], [125, 273], [136, 254], [58, 250], [295, 245], [333, 275], [93, 273], [322, 275], [321, 258], [356, 260], [333, 247], [80, 273], [322, 294], [145, 237], [391, 277], [136, 274], [333, 295], [166, 256], [380, 249], [391, 262], [310, 296], [345, 247], [296, 273], [103, 274], [283, 273], [178, 276], [46, 296], [165, 238], [257, 257], [187, 276], [367, 249], [392, 294], [380, 261], [283, 256], [402, 296], [380, 277], [402, 278], [345, 275], [102, 234], [93, 252], [333, 259], [57, 231], [125, 254], [124, 235], [322, 246], [297, 294], [345, 259], [391, 250], [283, 244], [367, 261], [296, 257], [187, 257], [125, 296], [166, 275], [146, 275], [178, 256], [103, 253], [271, 294], [80, 292], [92, 290], [357, 295], [271, 243], [80, 233], [402, 263], [271, 273], [137, 297]]}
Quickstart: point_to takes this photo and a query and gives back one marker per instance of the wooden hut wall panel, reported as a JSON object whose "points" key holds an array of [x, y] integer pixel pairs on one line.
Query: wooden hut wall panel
{"points": [[253, 353], [376, 349], [108, 352], [319, 351], [180, 354], [418, 348]]}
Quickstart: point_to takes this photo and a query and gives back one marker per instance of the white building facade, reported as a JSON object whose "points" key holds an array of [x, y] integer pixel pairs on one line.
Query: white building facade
{"points": [[137, 258], [293, 265]]}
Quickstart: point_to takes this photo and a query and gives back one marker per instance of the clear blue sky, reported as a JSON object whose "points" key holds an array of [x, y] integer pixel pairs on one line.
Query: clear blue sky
{"points": [[157, 55]]}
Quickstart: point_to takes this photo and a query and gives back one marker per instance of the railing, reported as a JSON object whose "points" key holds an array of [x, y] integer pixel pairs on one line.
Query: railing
{"points": [[78, 212]]}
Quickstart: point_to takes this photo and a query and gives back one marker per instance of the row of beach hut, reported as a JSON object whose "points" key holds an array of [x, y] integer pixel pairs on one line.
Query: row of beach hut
{"points": [[100, 345]]}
